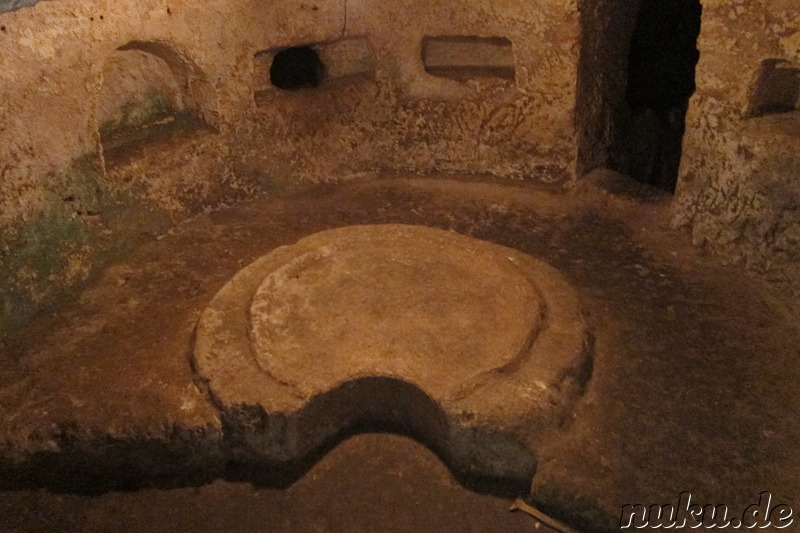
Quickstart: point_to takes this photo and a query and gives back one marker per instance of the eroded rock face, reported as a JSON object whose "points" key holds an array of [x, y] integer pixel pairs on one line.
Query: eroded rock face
{"points": [[459, 339], [526, 90], [210, 125], [739, 189]]}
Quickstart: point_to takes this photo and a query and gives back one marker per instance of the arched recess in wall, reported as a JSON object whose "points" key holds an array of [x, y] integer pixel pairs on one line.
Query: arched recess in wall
{"points": [[149, 92]]}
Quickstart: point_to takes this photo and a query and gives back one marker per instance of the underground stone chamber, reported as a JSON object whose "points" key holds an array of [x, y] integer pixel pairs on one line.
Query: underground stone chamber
{"points": [[233, 236]]}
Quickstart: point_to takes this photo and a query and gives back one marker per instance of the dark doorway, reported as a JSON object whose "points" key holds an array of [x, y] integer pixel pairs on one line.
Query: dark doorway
{"points": [[295, 68], [661, 66]]}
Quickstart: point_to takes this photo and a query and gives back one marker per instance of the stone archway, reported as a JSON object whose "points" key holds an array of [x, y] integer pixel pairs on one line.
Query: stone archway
{"points": [[148, 90]]}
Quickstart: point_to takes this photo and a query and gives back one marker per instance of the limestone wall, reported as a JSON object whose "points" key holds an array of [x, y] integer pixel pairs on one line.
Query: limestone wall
{"points": [[63, 209], [117, 119], [393, 114], [739, 186], [601, 109]]}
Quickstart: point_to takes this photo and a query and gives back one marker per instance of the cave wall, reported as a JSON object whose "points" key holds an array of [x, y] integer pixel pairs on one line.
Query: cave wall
{"points": [[65, 208], [116, 121], [119, 119], [392, 114], [602, 111], [739, 183]]}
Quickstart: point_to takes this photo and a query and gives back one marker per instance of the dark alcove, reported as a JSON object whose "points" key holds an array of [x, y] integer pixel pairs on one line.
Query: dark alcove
{"points": [[776, 89], [661, 66], [299, 67]]}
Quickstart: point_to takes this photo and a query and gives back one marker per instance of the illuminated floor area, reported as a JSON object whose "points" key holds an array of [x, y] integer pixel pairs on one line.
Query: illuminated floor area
{"points": [[692, 384]]}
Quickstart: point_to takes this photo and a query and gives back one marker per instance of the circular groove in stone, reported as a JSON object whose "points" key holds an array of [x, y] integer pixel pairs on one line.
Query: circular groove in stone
{"points": [[406, 303], [517, 351]]}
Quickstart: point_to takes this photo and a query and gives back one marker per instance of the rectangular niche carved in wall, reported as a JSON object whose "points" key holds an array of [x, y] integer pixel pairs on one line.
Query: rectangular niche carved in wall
{"points": [[310, 66], [776, 89], [465, 57]]}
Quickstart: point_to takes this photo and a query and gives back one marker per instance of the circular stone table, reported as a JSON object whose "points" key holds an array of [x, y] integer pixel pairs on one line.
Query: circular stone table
{"points": [[478, 347]]}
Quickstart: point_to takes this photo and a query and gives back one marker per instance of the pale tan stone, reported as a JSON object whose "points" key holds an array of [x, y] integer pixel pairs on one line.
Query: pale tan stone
{"points": [[488, 334], [738, 189]]}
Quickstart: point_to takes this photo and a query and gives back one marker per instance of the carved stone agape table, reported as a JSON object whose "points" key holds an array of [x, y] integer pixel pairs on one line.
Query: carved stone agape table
{"points": [[476, 348]]}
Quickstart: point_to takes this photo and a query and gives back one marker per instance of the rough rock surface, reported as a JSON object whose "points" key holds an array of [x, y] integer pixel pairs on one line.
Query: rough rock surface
{"points": [[739, 189]]}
